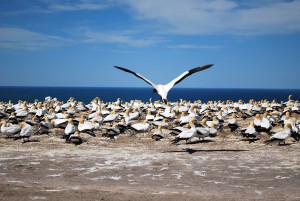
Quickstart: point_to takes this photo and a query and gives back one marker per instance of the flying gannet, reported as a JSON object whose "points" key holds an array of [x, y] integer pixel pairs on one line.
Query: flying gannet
{"points": [[161, 89]]}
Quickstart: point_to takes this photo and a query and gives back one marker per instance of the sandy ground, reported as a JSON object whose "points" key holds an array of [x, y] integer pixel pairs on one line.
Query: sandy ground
{"points": [[135, 167]]}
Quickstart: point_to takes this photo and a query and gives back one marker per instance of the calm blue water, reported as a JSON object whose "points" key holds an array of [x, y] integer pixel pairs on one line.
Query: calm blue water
{"points": [[86, 94]]}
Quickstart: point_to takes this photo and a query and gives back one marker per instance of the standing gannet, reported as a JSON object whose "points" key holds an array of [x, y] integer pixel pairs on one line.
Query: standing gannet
{"points": [[232, 123], [70, 128], [163, 90], [266, 125]]}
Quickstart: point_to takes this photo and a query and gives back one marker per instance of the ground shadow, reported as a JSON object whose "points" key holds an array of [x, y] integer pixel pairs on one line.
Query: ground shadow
{"points": [[250, 140], [191, 151], [200, 141]]}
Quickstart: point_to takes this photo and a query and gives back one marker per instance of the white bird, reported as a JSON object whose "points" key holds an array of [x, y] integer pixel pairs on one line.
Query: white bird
{"points": [[111, 117], [191, 115], [232, 123], [162, 123], [179, 129], [75, 138], [204, 131], [86, 127], [282, 135], [26, 131], [214, 121], [163, 90], [266, 125], [128, 118], [70, 128], [158, 134], [250, 131], [187, 134], [141, 127], [257, 122], [52, 114], [111, 132], [149, 116], [45, 126], [9, 129], [59, 123]]}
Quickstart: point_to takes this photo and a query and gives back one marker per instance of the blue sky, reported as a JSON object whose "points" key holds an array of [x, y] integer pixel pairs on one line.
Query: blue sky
{"points": [[252, 43]]}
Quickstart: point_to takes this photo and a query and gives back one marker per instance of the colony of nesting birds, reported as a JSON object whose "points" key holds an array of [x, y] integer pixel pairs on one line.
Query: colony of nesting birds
{"points": [[174, 121]]}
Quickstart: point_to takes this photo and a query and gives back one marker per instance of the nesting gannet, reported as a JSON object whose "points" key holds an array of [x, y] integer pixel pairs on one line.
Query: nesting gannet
{"points": [[123, 125], [163, 90], [51, 115], [187, 134], [86, 127], [9, 129], [158, 117], [250, 131], [111, 117], [71, 110], [135, 114], [75, 138], [22, 113], [26, 131], [214, 121], [282, 135], [204, 131], [12, 118], [59, 123], [141, 127], [111, 132], [158, 134], [149, 116], [162, 123], [192, 114], [33, 121], [45, 126]]}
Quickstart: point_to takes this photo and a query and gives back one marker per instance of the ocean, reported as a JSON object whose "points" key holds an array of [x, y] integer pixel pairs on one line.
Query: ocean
{"points": [[109, 94]]}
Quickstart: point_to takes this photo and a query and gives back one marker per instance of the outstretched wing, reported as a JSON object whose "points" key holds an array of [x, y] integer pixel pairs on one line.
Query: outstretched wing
{"points": [[186, 74], [137, 75]]}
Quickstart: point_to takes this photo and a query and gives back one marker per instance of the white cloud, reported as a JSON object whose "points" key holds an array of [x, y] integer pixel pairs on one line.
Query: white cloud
{"points": [[83, 5], [189, 46], [53, 6], [220, 16], [127, 38], [22, 39]]}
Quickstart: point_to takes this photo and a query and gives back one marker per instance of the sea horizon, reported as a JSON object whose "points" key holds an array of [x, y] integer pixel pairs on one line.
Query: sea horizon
{"points": [[109, 94], [149, 87]]}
